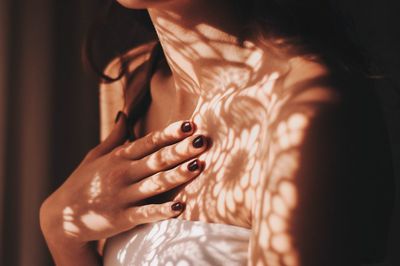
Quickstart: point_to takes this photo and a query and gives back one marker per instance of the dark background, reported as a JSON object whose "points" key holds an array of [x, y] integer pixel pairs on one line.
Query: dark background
{"points": [[49, 107]]}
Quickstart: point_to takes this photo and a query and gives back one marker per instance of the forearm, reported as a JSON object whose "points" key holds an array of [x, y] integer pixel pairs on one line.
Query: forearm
{"points": [[76, 255], [65, 249]]}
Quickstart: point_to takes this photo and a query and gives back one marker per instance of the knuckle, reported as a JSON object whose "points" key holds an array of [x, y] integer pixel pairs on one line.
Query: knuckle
{"points": [[169, 176], [162, 162], [160, 211], [129, 151], [153, 184], [117, 173], [174, 177], [157, 188], [132, 215], [159, 160], [151, 140], [149, 211], [117, 152]]}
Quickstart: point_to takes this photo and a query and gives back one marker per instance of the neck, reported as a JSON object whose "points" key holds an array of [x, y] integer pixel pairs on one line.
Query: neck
{"points": [[203, 51]]}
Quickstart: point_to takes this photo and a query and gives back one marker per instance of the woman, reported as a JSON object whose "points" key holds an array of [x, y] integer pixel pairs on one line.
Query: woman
{"points": [[257, 133]]}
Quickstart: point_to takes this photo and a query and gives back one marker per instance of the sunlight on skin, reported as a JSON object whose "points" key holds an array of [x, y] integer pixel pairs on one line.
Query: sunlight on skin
{"points": [[235, 121], [185, 48], [254, 156], [291, 132], [172, 37], [149, 186], [274, 235], [289, 194], [84, 223], [217, 49], [277, 223], [162, 182], [95, 189], [69, 226], [230, 187], [154, 161], [95, 221], [274, 231], [280, 207]]}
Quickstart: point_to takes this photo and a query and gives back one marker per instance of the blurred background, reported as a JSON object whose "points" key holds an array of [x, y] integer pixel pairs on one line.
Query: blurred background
{"points": [[49, 114]]}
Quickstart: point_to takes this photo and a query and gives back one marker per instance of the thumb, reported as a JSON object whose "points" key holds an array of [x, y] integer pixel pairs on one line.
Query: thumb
{"points": [[117, 136]]}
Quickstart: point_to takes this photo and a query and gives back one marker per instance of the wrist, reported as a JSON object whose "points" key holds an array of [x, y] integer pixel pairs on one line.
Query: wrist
{"points": [[54, 227], [68, 253], [65, 247]]}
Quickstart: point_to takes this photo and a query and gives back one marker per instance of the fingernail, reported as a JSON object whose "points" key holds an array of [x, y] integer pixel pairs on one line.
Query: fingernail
{"points": [[198, 142], [118, 117], [194, 165], [177, 206], [186, 127]]}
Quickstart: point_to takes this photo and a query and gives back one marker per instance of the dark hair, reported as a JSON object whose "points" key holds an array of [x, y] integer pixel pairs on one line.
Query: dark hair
{"points": [[114, 31], [311, 28]]}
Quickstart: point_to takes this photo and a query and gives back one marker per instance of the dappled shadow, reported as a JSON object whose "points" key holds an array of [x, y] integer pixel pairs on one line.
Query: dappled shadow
{"points": [[268, 158], [253, 140]]}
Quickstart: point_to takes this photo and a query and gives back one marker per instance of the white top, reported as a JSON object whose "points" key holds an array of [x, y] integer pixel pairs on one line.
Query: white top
{"points": [[179, 242]]}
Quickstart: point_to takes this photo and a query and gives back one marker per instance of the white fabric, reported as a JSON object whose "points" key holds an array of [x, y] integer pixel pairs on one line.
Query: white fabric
{"points": [[179, 242]]}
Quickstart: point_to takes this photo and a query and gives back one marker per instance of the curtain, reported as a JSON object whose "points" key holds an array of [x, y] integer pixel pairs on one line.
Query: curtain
{"points": [[49, 107], [48, 115]]}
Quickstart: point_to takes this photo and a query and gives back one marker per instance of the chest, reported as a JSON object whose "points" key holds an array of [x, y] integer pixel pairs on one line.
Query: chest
{"points": [[236, 124]]}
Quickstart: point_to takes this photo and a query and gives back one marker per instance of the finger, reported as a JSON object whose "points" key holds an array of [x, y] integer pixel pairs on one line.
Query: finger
{"points": [[156, 140], [168, 157], [151, 213], [117, 136], [162, 182]]}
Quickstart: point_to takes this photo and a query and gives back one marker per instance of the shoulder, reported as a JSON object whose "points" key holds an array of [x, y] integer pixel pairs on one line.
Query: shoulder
{"points": [[310, 80], [319, 173], [301, 165], [113, 97], [304, 92]]}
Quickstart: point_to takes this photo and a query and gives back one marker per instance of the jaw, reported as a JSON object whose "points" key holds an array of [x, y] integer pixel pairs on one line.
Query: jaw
{"points": [[144, 4]]}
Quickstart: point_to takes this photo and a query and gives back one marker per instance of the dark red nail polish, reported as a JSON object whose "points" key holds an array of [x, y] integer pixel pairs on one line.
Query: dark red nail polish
{"points": [[198, 142], [118, 116], [186, 127], [177, 206], [194, 165]]}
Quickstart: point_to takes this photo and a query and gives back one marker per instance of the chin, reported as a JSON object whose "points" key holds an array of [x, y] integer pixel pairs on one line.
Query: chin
{"points": [[142, 4]]}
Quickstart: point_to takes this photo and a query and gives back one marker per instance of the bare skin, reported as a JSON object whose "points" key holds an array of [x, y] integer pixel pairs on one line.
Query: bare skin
{"points": [[239, 122], [277, 154], [259, 106], [104, 195]]}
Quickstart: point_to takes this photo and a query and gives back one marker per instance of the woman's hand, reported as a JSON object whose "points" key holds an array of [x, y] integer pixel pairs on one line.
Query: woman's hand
{"points": [[102, 196]]}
